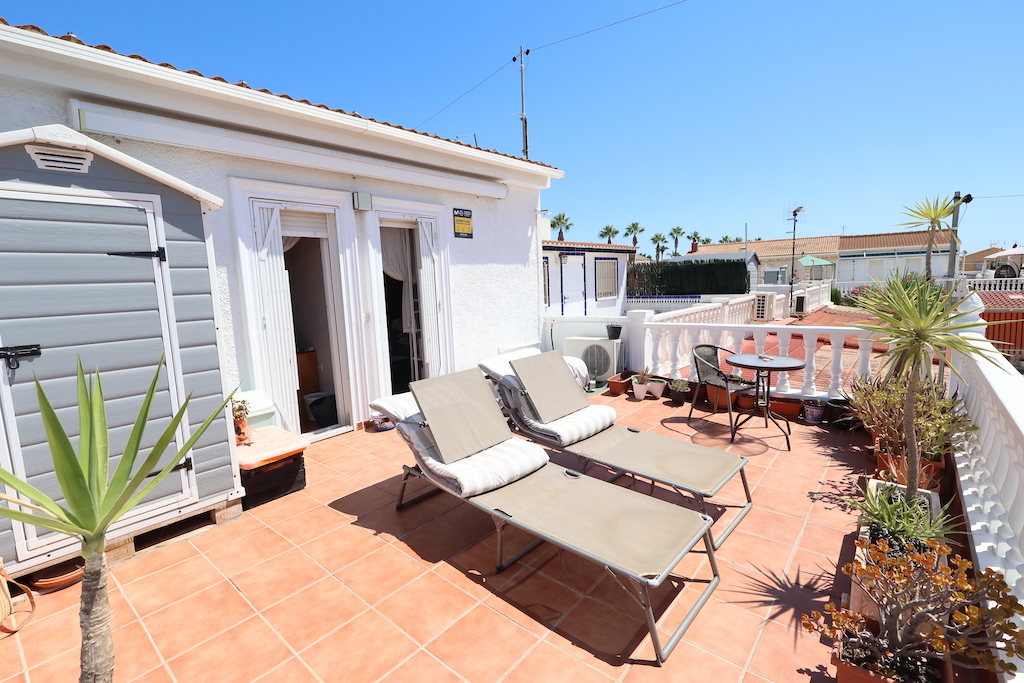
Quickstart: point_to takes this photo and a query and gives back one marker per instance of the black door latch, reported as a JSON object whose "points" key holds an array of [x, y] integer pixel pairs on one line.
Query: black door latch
{"points": [[14, 354]]}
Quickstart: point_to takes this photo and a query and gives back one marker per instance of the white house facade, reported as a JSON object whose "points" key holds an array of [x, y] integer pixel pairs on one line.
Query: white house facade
{"points": [[349, 256], [863, 258], [584, 279]]}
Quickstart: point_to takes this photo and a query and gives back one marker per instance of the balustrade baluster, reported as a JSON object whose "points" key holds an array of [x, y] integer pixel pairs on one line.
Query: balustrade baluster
{"points": [[782, 383], [655, 364], [810, 346], [835, 384], [694, 337], [759, 340], [864, 355], [673, 347]]}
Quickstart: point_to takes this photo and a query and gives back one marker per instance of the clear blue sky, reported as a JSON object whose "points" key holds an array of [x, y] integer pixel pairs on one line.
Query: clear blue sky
{"points": [[705, 115]]}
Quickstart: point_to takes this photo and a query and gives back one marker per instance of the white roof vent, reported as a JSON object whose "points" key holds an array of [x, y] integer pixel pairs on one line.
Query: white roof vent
{"points": [[59, 159]]}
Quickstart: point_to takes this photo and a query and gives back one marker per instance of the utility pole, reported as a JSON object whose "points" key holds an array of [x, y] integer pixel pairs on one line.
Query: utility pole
{"points": [[954, 239], [522, 95]]}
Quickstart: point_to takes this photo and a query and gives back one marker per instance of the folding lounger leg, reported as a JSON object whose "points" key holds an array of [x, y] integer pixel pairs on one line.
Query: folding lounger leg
{"points": [[412, 472], [702, 502], [500, 566], [640, 592]]}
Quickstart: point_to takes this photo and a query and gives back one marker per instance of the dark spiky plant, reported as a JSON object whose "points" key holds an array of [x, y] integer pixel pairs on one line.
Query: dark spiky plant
{"points": [[95, 498]]}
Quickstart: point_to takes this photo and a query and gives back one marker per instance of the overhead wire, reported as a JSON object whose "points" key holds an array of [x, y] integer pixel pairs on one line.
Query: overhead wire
{"points": [[527, 52]]}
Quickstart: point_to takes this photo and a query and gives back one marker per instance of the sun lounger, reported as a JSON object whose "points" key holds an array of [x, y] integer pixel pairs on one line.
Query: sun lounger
{"points": [[462, 444], [547, 404]]}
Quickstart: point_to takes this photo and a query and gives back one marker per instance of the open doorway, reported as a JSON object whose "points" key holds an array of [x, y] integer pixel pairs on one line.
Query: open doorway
{"points": [[402, 303], [304, 259]]}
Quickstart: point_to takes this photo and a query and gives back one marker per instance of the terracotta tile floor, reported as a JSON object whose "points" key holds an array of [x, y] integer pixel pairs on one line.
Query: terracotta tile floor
{"points": [[332, 584]]}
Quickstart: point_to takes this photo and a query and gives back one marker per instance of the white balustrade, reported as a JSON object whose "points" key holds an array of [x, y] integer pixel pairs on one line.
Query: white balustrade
{"points": [[991, 469], [671, 345], [1002, 284]]}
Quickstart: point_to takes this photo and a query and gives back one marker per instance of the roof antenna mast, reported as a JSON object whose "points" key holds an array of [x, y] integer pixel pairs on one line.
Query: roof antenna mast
{"points": [[522, 95]]}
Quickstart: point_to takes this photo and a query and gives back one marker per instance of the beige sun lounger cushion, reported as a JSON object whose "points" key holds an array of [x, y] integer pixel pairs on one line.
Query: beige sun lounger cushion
{"points": [[576, 426], [487, 470]]}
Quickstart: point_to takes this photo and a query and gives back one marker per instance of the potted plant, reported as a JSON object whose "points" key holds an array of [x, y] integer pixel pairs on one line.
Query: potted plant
{"points": [[929, 610], [614, 330], [95, 493], [678, 391], [619, 384], [657, 387], [641, 383], [814, 411], [745, 400], [240, 415], [918, 321]]}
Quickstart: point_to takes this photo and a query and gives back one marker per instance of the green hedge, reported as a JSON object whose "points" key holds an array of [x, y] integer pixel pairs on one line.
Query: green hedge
{"points": [[691, 277]]}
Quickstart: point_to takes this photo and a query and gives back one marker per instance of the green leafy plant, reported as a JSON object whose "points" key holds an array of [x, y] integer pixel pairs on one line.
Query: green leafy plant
{"points": [[918, 323], [928, 610], [837, 297], [930, 214], [96, 498], [902, 520], [679, 385], [642, 377]]}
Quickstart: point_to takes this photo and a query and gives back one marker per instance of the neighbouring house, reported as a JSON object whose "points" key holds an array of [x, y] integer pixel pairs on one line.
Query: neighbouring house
{"points": [[778, 258], [581, 278], [349, 256], [863, 258], [1007, 308], [973, 264]]}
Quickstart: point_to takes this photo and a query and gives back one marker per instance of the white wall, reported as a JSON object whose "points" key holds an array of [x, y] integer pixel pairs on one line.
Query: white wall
{"points": [[493, 276], [857, 268]]}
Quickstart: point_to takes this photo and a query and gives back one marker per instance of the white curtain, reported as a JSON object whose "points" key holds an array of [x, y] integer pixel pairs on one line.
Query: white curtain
{"points": [[397, 256], [289, 242]]}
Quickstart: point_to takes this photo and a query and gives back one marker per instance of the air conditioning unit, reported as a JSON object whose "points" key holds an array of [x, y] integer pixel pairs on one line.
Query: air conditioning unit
{"points": [[764, 306], [602, 356], [800, 305]]}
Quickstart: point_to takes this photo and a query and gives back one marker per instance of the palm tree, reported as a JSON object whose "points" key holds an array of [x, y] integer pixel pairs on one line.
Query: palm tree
{"points": [[561, 221], [676, 233], [94, 500], [929, 214], [609, 232], [694, 237], [705, 240], [657, 239], [918, 321], [634, 229]]}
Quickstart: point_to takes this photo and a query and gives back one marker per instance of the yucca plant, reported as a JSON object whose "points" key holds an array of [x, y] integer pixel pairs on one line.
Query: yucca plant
{"points": [[919, 322], [930, 214], [95, 499]]}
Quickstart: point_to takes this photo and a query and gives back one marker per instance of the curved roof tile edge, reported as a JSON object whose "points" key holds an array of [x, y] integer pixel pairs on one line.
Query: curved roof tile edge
{"points": [[71, 38]]}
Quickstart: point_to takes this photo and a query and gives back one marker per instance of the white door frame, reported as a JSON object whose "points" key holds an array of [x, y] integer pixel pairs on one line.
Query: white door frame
{"points": [[27, 542], [433, 241], [345, 286]]}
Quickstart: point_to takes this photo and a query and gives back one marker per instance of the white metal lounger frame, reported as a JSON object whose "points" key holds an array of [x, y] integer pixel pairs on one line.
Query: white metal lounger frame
{"points": [[636, 586], [515, 412]]}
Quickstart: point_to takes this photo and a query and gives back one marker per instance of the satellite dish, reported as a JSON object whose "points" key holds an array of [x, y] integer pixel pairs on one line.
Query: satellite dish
{"points": [[597, 359]]}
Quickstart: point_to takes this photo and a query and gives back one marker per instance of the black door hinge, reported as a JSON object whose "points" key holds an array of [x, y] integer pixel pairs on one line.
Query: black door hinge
{"points": [[185, 464], [160, 253]]}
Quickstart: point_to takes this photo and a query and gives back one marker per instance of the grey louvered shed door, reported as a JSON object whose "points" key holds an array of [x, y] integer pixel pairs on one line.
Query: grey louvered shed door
{"points": [[60, 289]]}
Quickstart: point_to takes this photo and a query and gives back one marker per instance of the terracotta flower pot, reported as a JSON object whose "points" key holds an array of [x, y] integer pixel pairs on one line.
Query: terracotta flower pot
{"points": [[745, 401], [788, 408], [241, 431], [930, 475], [851, 673], [717, 396], [618, 385]]}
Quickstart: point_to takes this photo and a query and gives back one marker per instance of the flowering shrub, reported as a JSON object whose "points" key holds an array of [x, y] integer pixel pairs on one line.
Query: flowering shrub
{"points": [[928, 610]]}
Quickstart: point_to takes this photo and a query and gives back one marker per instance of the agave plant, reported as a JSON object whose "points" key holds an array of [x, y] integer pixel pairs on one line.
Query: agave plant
{"points": [[95, 498], [919, 322]]}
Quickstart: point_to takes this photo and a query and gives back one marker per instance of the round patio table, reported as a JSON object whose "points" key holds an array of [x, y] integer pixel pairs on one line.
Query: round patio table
{"points": [[764, 365]]}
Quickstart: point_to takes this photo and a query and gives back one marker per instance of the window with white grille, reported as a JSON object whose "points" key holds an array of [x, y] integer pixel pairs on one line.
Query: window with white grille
{"points": [[606, 277]]}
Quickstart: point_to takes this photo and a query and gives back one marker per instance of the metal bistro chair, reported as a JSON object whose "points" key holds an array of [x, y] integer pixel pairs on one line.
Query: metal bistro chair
{"points": [[709, 373]]}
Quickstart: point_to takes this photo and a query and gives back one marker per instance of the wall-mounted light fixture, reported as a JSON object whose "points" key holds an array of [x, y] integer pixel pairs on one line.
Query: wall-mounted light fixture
{"points": [[563, 258], [362, 201]]}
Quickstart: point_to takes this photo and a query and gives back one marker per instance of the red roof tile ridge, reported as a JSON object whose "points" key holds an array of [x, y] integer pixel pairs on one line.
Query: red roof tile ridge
{"points": [[106, 48]]}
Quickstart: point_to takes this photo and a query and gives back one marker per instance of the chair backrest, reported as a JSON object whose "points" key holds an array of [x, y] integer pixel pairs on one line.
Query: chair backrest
{"points": [[550, 385], [463, 415], [708, 365]]}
